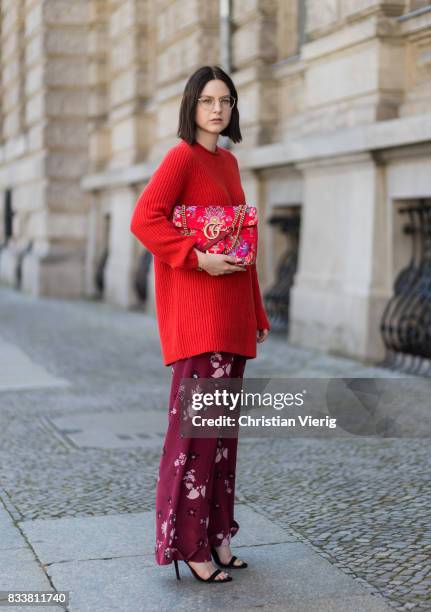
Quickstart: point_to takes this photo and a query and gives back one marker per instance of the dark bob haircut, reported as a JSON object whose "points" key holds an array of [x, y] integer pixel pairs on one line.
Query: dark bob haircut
{"points": [[192, 91]]}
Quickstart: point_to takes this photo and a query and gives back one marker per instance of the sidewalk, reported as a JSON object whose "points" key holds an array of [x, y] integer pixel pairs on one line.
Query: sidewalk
{"points": [[324, 527], [107, 564]]}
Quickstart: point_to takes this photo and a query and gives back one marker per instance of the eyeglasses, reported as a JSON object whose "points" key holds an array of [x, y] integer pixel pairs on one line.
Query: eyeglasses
{"points": [[208, 103]]}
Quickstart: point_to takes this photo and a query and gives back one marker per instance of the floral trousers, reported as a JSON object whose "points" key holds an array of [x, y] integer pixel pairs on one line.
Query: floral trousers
{"points": [[196, 481]]}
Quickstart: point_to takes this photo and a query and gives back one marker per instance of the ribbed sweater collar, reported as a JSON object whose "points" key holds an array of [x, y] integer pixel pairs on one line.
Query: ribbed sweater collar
{"points": [[198, 147]]}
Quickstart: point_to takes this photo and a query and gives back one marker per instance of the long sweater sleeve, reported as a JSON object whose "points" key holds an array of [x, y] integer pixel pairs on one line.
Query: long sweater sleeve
{"points": [[150, 223], [261, 316]]}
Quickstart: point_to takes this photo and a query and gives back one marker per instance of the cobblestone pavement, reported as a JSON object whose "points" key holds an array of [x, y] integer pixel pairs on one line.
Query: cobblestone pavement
{"points": [[363, 504]]}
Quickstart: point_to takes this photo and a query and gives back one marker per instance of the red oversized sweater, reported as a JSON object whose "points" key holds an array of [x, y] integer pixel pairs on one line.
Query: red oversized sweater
{"points": [[196, 312]]}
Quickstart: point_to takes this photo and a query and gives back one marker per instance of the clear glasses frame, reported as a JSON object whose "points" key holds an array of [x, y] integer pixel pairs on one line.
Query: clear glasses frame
{"points": [[208, 102]]}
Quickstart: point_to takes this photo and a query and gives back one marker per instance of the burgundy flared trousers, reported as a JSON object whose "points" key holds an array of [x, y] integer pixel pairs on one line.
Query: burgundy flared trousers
{"points": [[196, 482]]}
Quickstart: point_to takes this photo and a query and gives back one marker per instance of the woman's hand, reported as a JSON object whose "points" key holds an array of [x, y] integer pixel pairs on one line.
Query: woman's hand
{"points": [[217, 264], [262, 335]]}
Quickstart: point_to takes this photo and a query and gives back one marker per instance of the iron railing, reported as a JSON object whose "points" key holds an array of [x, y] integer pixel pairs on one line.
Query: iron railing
{"points": [[406, 320], [277, 298]]}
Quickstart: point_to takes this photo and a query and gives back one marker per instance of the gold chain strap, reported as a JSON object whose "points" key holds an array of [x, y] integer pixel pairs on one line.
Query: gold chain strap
{"points": [[228, 250], [183, 215], [241, 209]]}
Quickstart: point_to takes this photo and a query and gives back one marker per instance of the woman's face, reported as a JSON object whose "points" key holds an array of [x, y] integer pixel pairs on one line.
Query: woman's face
{"points": [[214, 91]]}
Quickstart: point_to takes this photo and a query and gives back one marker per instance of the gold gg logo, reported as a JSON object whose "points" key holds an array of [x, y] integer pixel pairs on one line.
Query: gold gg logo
{"points": [[212, 228]]}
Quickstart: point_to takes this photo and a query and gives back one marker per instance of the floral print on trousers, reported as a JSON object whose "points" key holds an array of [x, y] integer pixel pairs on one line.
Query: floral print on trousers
{"points": [[196, 481]]}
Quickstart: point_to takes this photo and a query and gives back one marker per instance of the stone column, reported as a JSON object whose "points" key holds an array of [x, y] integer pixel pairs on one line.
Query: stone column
{"points": [[98, 51], [254, 44], [99, 138], [52, 210], [14, 89], [129, 87], [255, 38], [341, 284]]}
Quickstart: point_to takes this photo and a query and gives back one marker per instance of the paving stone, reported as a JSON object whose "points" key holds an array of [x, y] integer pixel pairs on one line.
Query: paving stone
{"points": [[19, 568], [285, 584], [18, 371], [371, 496]]}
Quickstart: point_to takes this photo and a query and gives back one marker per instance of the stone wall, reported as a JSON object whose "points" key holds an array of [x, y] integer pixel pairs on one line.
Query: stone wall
{"points": [[328, 91]]}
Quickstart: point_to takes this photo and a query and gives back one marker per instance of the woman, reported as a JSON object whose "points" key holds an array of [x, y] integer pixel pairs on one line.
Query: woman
{"points": [[210, 315]]}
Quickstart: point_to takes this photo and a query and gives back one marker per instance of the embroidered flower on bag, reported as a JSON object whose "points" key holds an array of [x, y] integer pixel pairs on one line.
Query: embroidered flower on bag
{"points": [[164, 527], [214, 211], [243, 249], [227, 486]]}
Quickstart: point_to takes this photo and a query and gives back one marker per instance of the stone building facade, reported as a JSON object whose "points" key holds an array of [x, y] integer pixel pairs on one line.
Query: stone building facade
{"points": [[334, 100]]}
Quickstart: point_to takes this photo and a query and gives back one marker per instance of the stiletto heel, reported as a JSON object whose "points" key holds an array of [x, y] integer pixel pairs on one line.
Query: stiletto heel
{"points": [[211, 578], [231, 562], [176, 569]]}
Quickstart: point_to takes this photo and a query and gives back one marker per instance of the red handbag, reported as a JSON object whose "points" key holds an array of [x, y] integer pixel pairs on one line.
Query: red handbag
{"points": [[231, 230]]}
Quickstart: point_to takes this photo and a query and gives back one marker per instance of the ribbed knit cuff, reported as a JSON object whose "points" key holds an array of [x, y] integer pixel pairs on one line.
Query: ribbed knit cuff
{"points": [[191, 262], [262, 321]]}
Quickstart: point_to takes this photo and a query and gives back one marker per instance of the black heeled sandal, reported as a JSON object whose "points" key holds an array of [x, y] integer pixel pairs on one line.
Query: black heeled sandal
{"points": [[231, 562], [196, 575]]}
